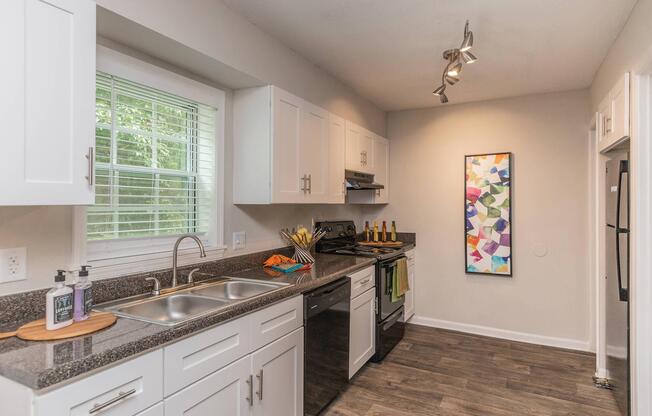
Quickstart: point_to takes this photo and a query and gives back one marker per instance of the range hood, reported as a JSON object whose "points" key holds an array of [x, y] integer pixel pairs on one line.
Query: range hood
{"points": [[358, 181]]}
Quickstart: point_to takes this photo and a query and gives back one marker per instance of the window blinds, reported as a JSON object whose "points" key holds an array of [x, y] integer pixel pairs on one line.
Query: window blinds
{"points": [[154, 164]]}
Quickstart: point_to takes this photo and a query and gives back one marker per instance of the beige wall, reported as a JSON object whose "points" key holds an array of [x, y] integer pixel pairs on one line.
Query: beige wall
{"points": [[631, 51], [548, 296], [47, 231]]}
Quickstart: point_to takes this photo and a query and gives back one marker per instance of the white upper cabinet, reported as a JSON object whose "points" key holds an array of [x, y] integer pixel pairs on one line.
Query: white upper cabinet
{"points": [[381, 168], [48, 114], [336, 159], [287, 149], [314, 153], [359, 148], [281, 148], [613, 123]]}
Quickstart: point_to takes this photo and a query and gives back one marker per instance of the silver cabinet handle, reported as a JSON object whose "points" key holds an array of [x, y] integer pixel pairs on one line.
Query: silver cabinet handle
{"points": [[310, 183], [91, 165], [343, 188], [259, 376], [607, 123], [101, 406], [304, 179], [250, 382]]}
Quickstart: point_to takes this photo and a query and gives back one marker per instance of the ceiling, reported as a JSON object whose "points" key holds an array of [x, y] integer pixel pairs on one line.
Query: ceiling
{"points": [[389, 51]]}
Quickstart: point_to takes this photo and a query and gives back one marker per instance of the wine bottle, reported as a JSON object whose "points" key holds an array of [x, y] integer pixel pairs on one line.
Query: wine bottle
{"points": [[384, 234], [393, 231], [375, 231], [367, 231]]}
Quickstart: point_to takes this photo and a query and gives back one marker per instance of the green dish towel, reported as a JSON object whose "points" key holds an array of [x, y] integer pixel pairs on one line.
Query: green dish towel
{"points": [[400, 283]]}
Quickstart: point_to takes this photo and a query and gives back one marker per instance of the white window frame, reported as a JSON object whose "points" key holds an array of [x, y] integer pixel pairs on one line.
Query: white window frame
{"points": [[111, 258]]}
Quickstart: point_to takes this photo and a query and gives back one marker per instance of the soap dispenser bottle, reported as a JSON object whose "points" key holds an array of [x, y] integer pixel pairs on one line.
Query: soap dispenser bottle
{"points": [[58, 303], [83, 295]]}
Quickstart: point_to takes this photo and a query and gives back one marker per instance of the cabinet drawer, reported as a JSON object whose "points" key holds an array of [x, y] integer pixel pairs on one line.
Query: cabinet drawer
{"points": [[193, 358], [156, 410], [122, 390], [362, 281], [275, 321]]}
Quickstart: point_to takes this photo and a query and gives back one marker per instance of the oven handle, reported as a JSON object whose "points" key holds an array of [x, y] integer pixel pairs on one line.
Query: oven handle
{"points": [[392, 320]]}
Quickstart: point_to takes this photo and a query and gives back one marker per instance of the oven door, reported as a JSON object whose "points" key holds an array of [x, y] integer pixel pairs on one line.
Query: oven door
{"points": [[384, 273]]}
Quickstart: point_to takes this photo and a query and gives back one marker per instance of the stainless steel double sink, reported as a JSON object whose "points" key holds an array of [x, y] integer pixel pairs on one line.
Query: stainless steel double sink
{"points": [[182, 305]]}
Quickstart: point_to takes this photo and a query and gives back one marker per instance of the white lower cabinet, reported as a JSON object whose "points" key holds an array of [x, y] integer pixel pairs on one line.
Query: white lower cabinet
{"points": [[362, 336], [409, 295], [278, 377], [224, 392], [268, 382]]}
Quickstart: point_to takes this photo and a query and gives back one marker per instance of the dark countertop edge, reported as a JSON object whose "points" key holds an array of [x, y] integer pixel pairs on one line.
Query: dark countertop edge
{"points": [[45, 381]]}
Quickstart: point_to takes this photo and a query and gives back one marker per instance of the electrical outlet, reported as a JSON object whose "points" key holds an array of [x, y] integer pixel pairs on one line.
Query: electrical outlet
{"points": [[13, 262], [239, 240]]}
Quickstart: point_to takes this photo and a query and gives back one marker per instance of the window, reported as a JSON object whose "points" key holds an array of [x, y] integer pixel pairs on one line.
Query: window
{"points": [[159, 164], [155, 163]]}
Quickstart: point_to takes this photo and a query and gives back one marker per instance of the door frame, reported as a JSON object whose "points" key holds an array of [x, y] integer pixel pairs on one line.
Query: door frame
{"points": [[641, 242]]}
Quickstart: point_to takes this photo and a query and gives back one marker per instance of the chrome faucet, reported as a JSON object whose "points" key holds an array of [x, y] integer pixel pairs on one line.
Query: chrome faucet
{"points": [[175, 252]]}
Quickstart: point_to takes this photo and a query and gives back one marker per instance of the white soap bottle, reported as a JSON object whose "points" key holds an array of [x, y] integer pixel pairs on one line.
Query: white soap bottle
{"points": [[58, 303]]}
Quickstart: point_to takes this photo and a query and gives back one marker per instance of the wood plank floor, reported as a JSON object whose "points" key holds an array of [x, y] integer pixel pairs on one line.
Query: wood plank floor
{"points": [[438, 372]]}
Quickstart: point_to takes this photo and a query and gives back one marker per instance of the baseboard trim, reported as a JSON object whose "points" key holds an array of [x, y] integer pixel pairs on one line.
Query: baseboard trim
{"points": [[566, 343]]}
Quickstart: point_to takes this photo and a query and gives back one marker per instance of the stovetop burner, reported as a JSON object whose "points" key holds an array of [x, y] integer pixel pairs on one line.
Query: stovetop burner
{"points": [[340, 238]]}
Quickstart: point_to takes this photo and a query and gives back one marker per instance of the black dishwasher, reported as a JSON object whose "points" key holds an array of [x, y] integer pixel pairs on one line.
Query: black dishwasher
{"points": [[326, 369]]}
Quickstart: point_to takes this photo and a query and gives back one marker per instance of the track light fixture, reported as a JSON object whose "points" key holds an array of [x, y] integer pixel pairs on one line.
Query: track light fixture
{"points": [[455, 58]]}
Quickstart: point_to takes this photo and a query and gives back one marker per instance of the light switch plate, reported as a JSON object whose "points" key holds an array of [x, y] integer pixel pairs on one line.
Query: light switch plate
{"points": [[13, 264], [239, 240]]}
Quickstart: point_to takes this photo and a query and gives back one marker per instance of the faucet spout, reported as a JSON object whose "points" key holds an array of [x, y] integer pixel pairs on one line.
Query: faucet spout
{"points": [[175, 254]]}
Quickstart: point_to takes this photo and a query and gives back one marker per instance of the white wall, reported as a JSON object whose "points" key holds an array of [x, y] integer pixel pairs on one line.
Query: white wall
{"points": [[215, 30], [631, 51], [548, 297]]}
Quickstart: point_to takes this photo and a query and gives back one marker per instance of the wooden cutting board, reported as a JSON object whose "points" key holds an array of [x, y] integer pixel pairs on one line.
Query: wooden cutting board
{"points": [[35, 331], [381, 243]]}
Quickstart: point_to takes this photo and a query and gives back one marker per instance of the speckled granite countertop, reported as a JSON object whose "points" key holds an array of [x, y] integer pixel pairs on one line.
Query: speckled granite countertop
{"points": [[46, 365]]}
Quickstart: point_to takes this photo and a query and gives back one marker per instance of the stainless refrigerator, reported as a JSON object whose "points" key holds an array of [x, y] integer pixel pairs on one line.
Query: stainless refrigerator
{"points": [[617, 283]]}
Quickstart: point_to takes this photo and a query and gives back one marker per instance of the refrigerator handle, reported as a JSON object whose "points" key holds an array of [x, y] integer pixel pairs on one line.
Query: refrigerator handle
{"points": [[623, 296]]}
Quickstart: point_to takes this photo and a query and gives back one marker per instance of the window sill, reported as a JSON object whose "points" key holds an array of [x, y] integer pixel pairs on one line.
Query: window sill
{"points": [[113, 265]]}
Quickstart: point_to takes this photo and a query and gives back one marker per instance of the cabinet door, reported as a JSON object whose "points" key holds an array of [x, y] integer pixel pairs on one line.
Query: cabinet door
{"points": [[278, 377], [353, 153], [48, 114], [286, 153], [225, 392], [619, 126], [366, 146], [381, 168], [313, 154], [336, 159], [362, 336]]}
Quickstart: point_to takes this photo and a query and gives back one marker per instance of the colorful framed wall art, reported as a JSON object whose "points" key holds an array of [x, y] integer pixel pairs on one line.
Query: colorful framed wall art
{"points": [[488, 214]]}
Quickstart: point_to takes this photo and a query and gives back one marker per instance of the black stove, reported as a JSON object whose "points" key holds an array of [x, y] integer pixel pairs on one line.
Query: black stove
{"points": [[341, 238]]}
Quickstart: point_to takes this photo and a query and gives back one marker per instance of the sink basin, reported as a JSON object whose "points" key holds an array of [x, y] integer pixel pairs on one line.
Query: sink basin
{"points": [[169, 310], [235, 290]]}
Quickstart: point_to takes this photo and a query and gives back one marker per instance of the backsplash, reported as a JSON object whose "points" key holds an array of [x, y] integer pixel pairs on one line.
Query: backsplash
{"points": [[20, 308]]}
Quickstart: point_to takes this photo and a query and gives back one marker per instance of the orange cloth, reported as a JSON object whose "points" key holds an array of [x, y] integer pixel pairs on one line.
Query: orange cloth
{"points": [[277, 259]]}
